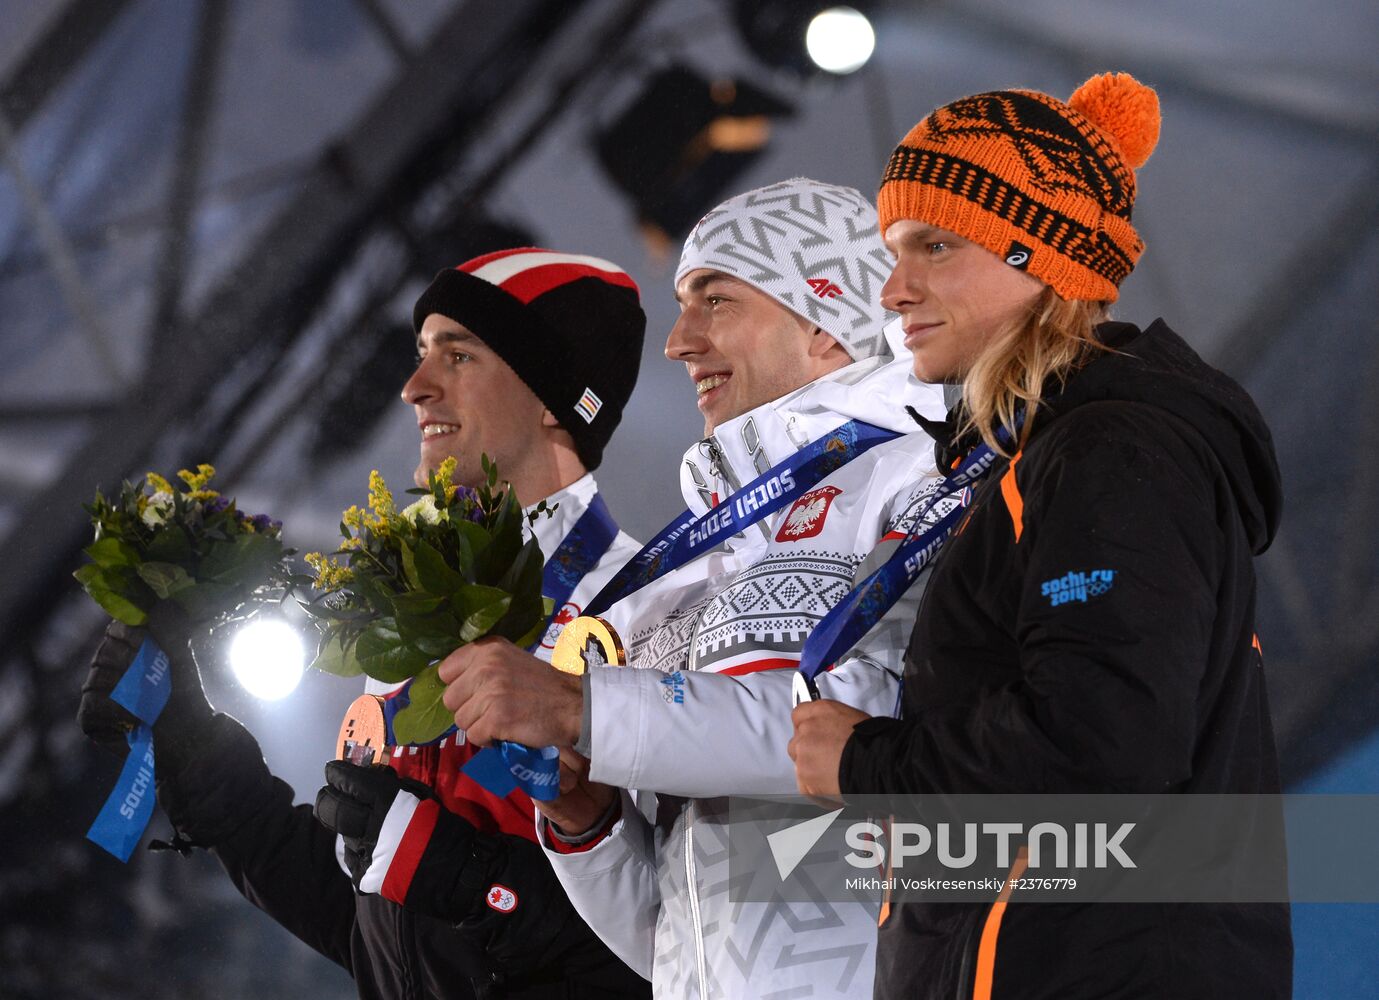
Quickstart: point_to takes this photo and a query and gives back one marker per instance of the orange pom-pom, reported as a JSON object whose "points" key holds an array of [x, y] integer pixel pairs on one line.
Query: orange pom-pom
{"points": [[1124, 109]]}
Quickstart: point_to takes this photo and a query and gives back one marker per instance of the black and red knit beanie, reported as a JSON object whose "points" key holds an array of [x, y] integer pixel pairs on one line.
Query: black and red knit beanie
{"points": [[570, 326]]}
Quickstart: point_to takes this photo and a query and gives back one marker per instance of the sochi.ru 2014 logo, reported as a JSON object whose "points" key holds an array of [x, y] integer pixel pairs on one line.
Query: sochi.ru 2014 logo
{"points": [[1077, 586], [673, 688]]}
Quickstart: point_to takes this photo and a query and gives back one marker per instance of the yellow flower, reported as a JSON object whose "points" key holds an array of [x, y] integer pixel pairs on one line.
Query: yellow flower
{"points": [[198, 479], [330, 574], [158, 484], [354, 518], [380, 498], [446, 474], [350, 544], [202, 495]]}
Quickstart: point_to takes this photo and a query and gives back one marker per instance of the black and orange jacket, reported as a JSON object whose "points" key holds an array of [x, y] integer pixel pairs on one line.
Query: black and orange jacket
{"points": [[1090, 628]]}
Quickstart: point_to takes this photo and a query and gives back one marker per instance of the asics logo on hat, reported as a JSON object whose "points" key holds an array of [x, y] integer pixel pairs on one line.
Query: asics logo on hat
{"points": [[824, 288], [1018, 256]]}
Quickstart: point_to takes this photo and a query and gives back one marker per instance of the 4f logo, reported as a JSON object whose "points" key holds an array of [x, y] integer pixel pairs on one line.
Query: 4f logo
{"points": [[824, 288]]}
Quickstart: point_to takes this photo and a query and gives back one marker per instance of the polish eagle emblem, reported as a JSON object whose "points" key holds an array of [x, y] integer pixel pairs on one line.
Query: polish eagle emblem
{"points": [[806, 518]]}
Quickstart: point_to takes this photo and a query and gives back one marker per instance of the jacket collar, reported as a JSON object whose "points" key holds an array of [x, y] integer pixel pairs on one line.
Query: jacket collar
{"points": [[570, 504], [875, 390]]}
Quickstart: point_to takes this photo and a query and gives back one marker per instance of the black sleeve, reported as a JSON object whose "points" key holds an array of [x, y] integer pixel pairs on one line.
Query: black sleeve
{"points": [[279, 857], [1106, 696]]}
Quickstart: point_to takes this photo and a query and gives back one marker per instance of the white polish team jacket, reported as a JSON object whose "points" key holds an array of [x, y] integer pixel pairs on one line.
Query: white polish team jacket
{"points": [[708, 714]]}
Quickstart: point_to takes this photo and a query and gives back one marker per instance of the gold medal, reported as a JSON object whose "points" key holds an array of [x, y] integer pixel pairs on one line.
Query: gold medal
{"points": [[364, 733], [586, 642]]}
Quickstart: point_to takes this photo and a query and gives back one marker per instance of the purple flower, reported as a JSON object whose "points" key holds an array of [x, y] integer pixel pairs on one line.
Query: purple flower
{"points": [[216, 504], [263, 523]]}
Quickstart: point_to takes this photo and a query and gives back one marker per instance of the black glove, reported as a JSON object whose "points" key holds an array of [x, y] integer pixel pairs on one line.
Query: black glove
{"points": [[402, 843], [498, 888], [187, 711]]}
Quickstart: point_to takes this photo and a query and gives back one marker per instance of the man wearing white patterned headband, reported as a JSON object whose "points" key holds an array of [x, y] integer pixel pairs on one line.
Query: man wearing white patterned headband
{"points": [[781, 334], [528, 356]]}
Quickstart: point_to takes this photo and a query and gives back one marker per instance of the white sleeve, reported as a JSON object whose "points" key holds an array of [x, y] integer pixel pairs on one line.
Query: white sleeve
{"points": [[613, 885], [701, 735]]}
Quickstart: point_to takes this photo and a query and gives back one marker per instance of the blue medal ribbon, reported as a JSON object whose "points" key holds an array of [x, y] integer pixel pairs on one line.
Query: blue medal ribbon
{"points": [[143, 690], [688, 536], [501, 768], [853, 617]]}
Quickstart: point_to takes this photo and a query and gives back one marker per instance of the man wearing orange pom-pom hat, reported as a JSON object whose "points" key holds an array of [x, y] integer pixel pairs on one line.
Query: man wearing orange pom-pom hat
{"points": [[1090, 628]]}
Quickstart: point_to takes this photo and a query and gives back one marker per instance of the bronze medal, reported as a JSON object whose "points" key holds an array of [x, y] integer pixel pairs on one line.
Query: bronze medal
{"points": [[364, 733], [586, 642]]}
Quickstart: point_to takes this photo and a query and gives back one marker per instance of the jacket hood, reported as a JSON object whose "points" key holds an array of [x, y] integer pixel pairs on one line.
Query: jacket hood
{"points": [[875, 390], [1157, 367]]}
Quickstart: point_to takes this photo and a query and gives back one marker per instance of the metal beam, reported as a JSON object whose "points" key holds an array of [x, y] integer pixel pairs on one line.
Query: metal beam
{"points": [[62, 47], [58, 250], [197, 117], [472, 59], [387, 30]]}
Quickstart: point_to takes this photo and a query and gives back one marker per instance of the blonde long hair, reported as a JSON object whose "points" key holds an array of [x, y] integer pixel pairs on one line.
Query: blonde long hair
{"points": [[1053, 340]]}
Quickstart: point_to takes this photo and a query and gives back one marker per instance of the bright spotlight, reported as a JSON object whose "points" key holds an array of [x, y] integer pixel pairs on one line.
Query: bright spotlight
{"points": [[267, 658], [840, 40]]}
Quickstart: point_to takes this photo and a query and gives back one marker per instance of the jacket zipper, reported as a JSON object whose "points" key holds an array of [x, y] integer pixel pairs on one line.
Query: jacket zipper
{"points": [[692, 890], [719, 466]]}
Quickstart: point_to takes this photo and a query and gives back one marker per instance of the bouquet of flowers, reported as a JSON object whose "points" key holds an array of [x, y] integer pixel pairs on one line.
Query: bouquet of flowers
{"points": [[188, 545], [408, 587]]}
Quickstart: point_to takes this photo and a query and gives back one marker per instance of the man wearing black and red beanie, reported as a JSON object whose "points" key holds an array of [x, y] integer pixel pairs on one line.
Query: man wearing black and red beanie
{"points": [[414, 878]]}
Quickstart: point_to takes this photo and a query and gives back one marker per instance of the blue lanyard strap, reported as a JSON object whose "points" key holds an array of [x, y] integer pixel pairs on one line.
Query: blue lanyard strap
{"points": [[143, 690], [688, 536], [853, 617], [587, 543]]}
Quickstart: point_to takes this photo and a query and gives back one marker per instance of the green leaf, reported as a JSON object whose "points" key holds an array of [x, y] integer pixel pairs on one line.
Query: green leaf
{"points": [[523, 576], [498, 556], [394, 664], [432, 572], [479, 609], [165, 579], [170, 545], [418, 603], [336, 656], [409, 566], [466, 540], [438, 647], [436, 625], [426, 717], [378, 637], [91, 573], [117, 606], [110, 552]]}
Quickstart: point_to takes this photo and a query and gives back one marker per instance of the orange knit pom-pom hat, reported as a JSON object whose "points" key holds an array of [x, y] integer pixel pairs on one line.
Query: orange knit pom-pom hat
{"points": [[1047, 186]]}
